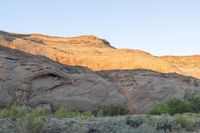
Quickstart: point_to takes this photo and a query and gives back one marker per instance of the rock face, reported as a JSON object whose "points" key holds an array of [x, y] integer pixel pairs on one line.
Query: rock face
{"points": [[143, 87], [98, 54], [38, 81], [34, 80]]}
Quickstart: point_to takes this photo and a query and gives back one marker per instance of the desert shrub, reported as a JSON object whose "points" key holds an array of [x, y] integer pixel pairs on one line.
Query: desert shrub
{"points": [[159, 108], [98, 113], [194, 101], [112, 110], [188, 96], [186, 122], [65, 113], [105, 111], [87, 114], [135, 121], [162, 123], [173, 106], [38, 112], [165, 122], [177, 106], [13, 112], [146, 128], [7, 130], [33, 122]]}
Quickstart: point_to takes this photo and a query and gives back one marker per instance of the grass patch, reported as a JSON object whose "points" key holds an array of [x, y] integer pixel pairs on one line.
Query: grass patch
{"points": [[65, 113], [33, 122], [13, 112], [104, 111], [112, 110]]}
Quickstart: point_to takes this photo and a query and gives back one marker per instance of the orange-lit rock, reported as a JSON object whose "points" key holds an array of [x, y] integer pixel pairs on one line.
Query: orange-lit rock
{"points": [[98, 54]]}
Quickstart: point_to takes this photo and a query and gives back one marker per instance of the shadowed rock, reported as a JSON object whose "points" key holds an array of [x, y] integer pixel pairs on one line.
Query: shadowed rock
{"points": [[38, 81], [144, 87]]}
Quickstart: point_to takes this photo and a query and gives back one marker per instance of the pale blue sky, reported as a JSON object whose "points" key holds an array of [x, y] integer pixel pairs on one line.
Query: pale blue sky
{"points": [[161, 27]]}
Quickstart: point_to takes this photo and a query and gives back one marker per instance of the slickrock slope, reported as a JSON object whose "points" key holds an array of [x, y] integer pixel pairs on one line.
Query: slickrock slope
{"points": [[37, 81], [98, 54], [143, 87]]}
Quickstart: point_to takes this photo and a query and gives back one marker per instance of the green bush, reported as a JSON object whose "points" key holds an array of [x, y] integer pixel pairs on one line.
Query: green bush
{"points": [[13, 112], [194, 101], [99, 113], [105, 111], [65, 113], [186, 122], [173, 106], [112, 110], [87, 114], [33, 122], [177, 106], [159, 108], [188, 96]]}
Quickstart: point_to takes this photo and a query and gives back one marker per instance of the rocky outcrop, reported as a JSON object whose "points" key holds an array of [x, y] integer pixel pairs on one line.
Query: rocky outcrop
{"points": [[34, 81], [143, 87], [37, 81]]}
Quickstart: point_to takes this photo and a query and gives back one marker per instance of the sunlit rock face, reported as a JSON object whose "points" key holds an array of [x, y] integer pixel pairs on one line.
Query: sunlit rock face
{"points": [[98, 54], [36, 81]]}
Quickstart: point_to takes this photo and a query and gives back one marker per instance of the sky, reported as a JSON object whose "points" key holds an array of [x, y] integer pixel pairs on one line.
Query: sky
{"points": [[160, 27]]}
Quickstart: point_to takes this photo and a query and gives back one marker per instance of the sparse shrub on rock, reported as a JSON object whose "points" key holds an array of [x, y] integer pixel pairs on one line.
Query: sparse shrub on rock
{"points": [[13, 111], [186, 121], [112, 110], [33, 122], [65, 113]]}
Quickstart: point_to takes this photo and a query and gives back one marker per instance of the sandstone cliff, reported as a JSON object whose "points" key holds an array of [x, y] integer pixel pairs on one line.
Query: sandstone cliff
{"points": [[98, 54]]}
